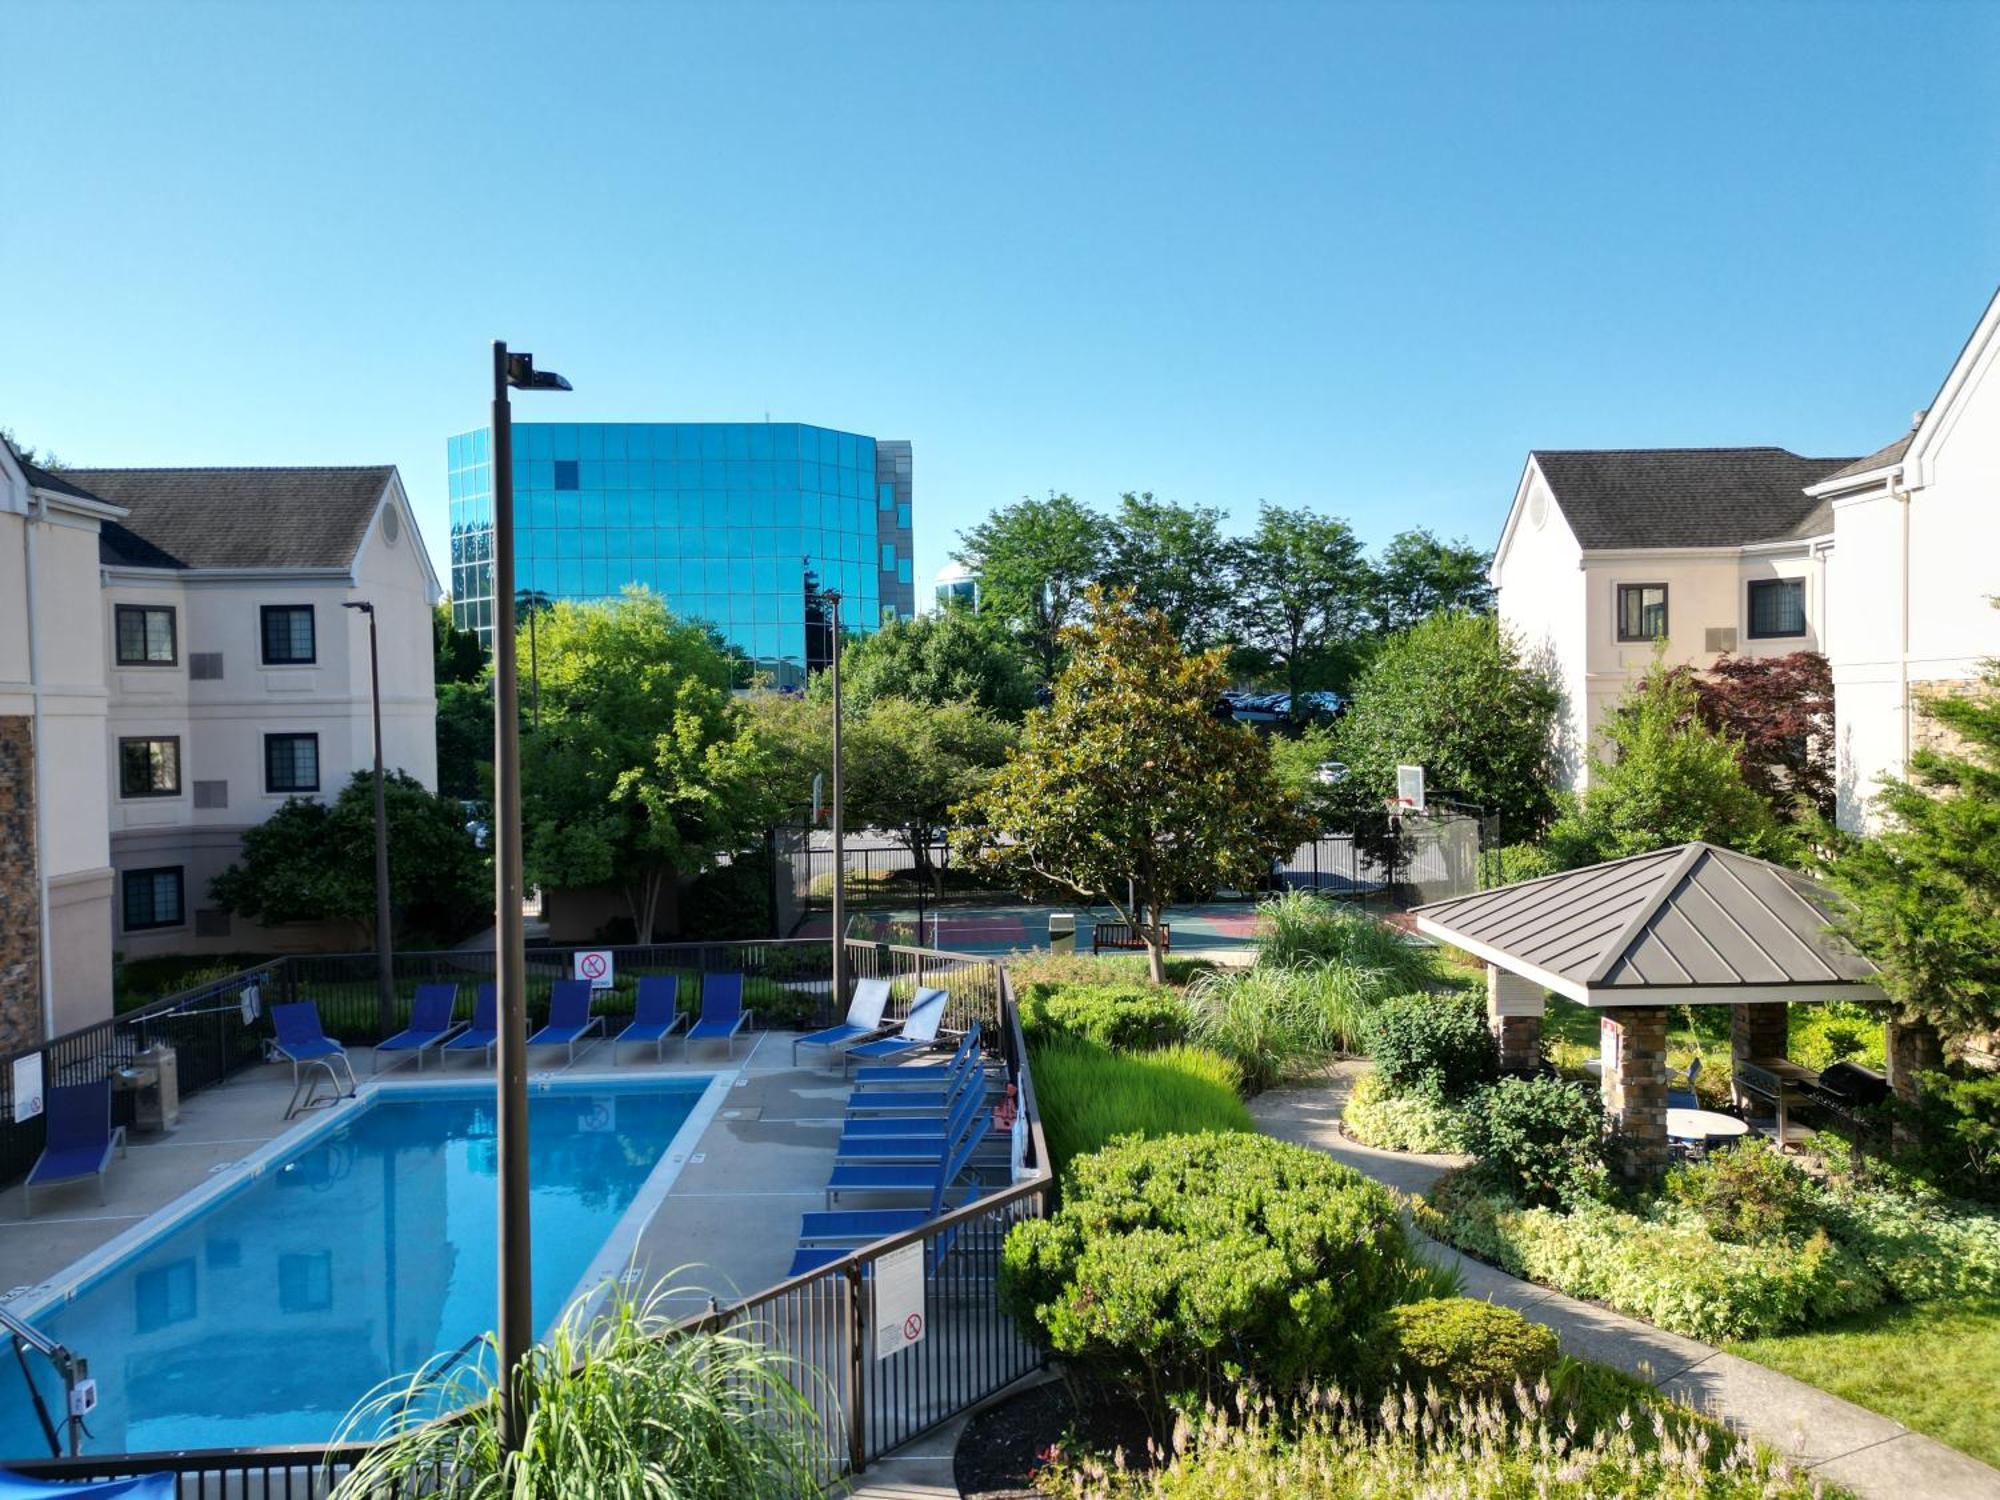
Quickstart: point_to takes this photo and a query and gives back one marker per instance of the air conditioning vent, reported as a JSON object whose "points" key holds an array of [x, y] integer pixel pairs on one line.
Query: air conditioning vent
{"points": [[205, 666], [1720, 638], [211, 794], [211, 921]]}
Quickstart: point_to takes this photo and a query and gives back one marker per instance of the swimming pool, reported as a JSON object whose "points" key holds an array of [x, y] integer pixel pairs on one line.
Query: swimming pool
{"points": [[353, 1252]]}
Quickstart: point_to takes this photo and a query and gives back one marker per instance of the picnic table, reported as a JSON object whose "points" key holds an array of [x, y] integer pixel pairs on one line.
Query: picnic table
{"points": [[1703, 1125]]}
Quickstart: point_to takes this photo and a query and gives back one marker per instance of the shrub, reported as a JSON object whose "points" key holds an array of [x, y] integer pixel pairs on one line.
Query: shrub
{"points": [[1284, 1023], [1039, 966], [1301, 928], [1747, 1192], [1521, 862], [1542, 1138], [1181, 1267], [1122, 1017], [729, 901], [1434, 1046], [1089, 1095], [616, 1406], [1958, 1132], [1458, 1344], [1820, 1035], [1412, 1444], [1389, 1121]]}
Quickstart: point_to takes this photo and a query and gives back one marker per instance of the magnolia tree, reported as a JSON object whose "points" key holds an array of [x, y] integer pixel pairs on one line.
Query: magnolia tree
{"points": [[1128, 789]]}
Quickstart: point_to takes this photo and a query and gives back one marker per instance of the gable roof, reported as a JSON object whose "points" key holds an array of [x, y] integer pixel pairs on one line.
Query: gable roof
{"points": [[1687, 923], [1881, 458], [238, 518], [1682, 497]]}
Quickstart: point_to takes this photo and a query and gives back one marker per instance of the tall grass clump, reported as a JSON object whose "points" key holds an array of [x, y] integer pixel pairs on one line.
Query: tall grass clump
{"points": [[1089, 1095], [619, 1408], [1302, 929]]}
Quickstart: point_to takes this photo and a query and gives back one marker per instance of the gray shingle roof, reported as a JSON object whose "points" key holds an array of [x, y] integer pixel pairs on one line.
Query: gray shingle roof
{"points": [[238, 518], [1688, 916], [55, 481], [1881, 458], [1682, 497]]}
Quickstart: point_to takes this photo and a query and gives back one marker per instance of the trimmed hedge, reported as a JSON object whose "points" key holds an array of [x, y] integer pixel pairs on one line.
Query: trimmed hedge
{"points": [[1434, 1046], [1178, 1268], [1542, 1137], [1457, 1344], [1376, 1116], [1124, 1017]]}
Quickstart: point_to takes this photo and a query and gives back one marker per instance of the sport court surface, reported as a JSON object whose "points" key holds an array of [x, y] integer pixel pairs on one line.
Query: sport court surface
{"points": [[1014, 928]]}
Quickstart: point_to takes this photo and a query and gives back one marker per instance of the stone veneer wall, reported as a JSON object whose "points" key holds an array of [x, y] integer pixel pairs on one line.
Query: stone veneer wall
{"points": [[20, 900]]}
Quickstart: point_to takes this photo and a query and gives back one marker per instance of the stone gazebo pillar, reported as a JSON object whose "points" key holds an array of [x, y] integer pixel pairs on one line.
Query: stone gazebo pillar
{"points": [[1635, 1083], [1760, 1030], [1514, 1008]]}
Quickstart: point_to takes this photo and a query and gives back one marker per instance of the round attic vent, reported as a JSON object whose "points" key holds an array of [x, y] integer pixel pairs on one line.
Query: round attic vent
{"points": [[1538, 509], [392, 525]]}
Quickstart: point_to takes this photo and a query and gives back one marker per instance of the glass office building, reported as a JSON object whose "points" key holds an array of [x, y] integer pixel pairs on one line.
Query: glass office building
{"points": [[733, 523]]}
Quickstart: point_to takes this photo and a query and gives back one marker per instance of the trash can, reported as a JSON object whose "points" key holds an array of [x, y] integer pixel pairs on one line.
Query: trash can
{"points": [[1062, 932], [158, 1105]]}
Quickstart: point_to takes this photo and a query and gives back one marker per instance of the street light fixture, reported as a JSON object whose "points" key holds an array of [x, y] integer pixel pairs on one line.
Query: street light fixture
{"points": [[385, 959], [517, 1311]]}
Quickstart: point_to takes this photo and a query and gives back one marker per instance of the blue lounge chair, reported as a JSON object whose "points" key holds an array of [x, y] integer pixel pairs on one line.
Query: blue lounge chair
{"points": [[920, 1145], [722, 1012], [430, 1024], [864, 1020], [921, 1177], [483, 1035], [1686, 1098], [919, 1031], [80, 1139], [570, 1020], [920, 1075], [656, 1016], [301, 1039], [968, 1069]]}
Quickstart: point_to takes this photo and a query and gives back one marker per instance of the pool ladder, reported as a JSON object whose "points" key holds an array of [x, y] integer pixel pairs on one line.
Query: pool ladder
{"points": [[79, 1390]]}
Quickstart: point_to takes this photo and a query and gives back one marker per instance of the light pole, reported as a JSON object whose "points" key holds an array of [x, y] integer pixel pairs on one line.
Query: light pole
{"points": [[831, 599], [517, 1299], [385, 958]]}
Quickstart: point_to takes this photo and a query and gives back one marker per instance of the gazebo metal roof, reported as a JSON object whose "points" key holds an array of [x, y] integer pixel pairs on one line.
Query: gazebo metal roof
{"points": [[1692, 924]]}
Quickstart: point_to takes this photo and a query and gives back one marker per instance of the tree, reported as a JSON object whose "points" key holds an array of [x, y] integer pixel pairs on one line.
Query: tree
{"points": [[465, 741], [1034, 559], [1418, 575], [460, 657], [1923, 892], [1129, 781], [1669, 779], [953, 657], [643, 769], [1301, 598], [1453, 695], [1174, 559], [1307, 767], [1779, 711], [907, 764], [313, 861]]}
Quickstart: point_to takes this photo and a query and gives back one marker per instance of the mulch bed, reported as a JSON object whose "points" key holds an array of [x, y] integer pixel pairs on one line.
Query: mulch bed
{"points": [[1001, 1448]]}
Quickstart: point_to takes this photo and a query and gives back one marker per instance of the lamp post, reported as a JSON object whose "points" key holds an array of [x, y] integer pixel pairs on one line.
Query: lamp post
{"points": [[831, 599], [385, 958], [517, 1310]]}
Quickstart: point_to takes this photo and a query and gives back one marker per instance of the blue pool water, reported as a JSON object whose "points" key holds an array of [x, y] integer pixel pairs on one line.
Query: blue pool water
{"points": [[264, 1316]]}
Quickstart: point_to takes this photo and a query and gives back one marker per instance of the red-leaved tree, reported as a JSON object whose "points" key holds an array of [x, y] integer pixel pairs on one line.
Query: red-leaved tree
{"points": [[1780, 710]]}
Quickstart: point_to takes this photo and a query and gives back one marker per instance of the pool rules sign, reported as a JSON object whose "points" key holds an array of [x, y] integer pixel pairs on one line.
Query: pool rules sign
{"points": [[899, 1299]]}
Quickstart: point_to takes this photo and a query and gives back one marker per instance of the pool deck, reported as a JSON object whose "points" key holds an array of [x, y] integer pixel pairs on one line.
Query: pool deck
{"points": [[727, 1226]]}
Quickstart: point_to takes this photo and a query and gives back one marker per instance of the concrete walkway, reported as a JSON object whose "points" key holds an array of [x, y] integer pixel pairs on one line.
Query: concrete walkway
{"points": [[1875, 1457]]}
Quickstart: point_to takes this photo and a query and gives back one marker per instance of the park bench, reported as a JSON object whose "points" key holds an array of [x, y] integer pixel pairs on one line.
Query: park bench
{"points": [[1120, 936]]}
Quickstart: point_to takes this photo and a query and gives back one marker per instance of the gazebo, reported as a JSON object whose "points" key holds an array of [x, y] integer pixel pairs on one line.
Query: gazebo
{"points": [[1688, 925]]}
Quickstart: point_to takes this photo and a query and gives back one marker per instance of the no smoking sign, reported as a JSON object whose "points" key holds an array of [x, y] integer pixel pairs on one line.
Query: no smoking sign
{"points": [[899, 1299], [595, 965]]}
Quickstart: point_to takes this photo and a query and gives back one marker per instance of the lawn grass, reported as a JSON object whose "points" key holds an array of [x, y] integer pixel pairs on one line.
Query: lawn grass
{"points": [[1089, 1094], [1933, 1366]]}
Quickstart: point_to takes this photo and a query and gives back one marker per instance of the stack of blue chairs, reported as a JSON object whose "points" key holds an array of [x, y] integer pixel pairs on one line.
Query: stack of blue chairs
{"points": [[912, 1131]]}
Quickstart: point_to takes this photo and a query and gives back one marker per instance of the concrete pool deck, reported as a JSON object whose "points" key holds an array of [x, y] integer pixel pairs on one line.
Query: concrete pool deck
{"points": [[727, 1225]]}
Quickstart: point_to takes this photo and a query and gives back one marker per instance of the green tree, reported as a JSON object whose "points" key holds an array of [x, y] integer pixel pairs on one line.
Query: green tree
{"points": [[1417, 575], [905, 765], [1175, 559], [459, 656], [1301, 601], [953, 657], [1129, 782], [1923, 891], [465, 740], [1034, 559], [1668, 779], [1453, 695], [312, 861], [1308, 767], [643, 770]]}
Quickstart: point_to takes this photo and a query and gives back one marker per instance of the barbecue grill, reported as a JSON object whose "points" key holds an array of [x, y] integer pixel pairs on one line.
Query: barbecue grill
{"points": [[1847, 1087]]}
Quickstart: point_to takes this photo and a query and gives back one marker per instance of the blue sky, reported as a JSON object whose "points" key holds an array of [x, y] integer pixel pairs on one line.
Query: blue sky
{"points": [[1354, 257]]}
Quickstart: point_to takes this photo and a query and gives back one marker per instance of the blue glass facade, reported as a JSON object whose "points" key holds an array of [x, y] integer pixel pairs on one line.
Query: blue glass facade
{"points": [[728, 521]]}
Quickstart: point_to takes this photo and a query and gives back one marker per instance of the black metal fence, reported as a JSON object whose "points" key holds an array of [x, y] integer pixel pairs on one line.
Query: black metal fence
{"points": [[1401, 860], [863, 1403]]}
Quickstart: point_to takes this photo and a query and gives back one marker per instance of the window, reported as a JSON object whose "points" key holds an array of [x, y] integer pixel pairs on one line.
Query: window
{"points": [[1777, 607], [288, 634], [305, 1281], [153, 898], [567, 474], [149, 768], [1642, 611], [291, 762], [146, 635]]}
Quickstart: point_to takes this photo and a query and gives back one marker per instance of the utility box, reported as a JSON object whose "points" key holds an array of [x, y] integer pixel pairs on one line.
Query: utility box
{"points": [[1062, 932], [156, 1104]]}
